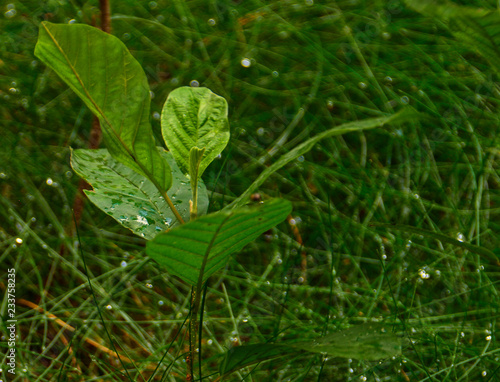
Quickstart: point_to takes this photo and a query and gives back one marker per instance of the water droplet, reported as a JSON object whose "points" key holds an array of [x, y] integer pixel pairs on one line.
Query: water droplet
{"points": [[210, 342], [156, 115], [404, 100], [211, 22], [246, 63], [161, 302], [460, 237], [149, 285], [488, 338], [10, 14], [123, 264], [152, 4], [386, 35], [194, 84], [309, 2], [49, 181], [275, 74], [151, 94], [19, 240], [72, 21], [3, 175], [416, 196], [423, 274], [13, 90], [484, 373], [260, 131], [109, 307], [301, 158], [362, 85]]}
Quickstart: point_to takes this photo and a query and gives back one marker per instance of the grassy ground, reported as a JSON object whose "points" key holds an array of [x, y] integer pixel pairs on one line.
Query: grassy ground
{"points": [[289, 69]]}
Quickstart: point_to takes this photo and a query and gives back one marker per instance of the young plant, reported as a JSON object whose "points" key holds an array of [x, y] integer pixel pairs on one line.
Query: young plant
{"points": [[160, 196]]}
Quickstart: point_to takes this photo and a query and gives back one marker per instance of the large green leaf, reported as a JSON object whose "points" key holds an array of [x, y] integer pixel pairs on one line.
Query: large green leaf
{"points": [[132, 199], [239, 357], [370, 342], [304, 147], [100, 69], [194, 117], [204, 245]]}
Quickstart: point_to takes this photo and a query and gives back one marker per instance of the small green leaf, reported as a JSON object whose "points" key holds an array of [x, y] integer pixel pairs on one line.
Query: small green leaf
{"points": [[132, 199], [101, 71], [369, 342], [194, 117], [213, 237], [239, 357], [304, 147]]}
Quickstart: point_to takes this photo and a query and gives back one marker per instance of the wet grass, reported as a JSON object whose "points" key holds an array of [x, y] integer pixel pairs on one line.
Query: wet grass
{"points": [[289, 69]]}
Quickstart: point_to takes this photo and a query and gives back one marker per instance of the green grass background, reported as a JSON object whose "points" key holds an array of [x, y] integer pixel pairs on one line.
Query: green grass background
{"points": [[313, 65]]}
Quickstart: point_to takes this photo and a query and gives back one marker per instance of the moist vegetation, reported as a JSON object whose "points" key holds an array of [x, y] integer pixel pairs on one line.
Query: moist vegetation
{"points": [[289, 70]]}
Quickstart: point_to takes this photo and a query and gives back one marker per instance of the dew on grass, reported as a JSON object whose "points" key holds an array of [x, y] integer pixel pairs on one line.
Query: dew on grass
{"points": [[416, 196], [460, 237], [3, 175], [300, 158], [151, 94], [386, 35], [388, 79], [260, 131], [423, 274], [153, 5], [149, 285], [13, 90], [488, 338], [404, 100], [246, 63], [10, 13], [109, 307], [194, 84], [275, 74], [123, 264], [362, 85], [484, 373], [72, 21], [210, 342], [161, 302], [156, 115], [49, 181], [211, 22]]}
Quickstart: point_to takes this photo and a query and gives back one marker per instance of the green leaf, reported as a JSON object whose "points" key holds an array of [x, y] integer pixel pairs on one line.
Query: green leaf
{"points": [[309, 144], [132, 199], [239, 357], [203, 246], [369, 342], [194, 117], [439, 236], [99, 68]]}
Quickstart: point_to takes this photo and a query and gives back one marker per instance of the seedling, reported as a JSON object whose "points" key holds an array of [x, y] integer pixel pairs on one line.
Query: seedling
{"points": [[159, 195]]}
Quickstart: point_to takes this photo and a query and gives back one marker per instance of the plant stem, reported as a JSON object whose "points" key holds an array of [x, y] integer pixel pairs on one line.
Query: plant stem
{"points": [[172, 207]]}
